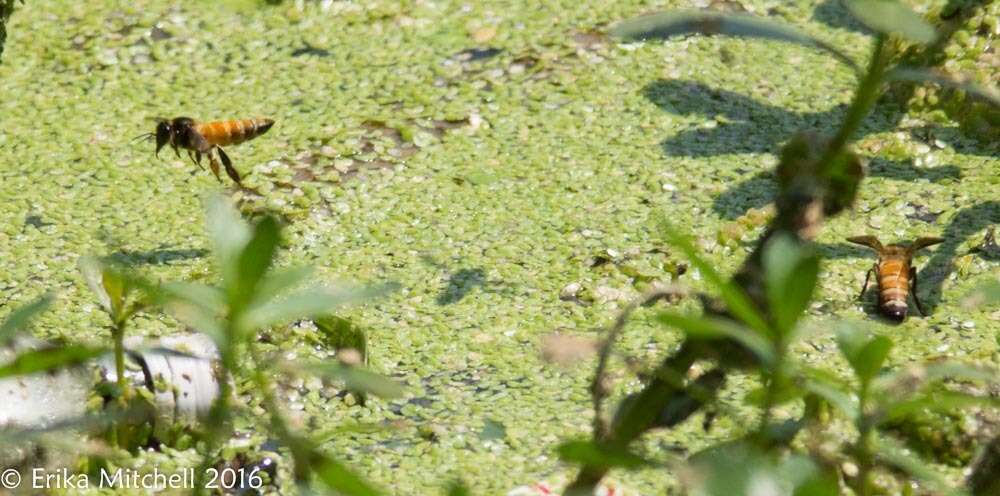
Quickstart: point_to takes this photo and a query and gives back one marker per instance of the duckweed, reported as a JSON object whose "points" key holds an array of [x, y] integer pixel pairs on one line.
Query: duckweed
{"points": [[558, 146]]}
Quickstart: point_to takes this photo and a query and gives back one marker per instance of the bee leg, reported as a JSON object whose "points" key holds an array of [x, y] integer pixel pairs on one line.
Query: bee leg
{"points": [[235, 176], [196, 158], [214, 165], [913, 291], [864, 287]]}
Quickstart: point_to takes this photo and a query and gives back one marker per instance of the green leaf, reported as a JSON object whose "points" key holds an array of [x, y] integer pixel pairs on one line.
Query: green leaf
{"points": [[669, 24], [209, 298], [93, 273], [47, 359], [354, 377], [339, 333], [279, 281], [336, 476], [892, 17], [306, 304], [594, 455], [872, 357], [117, 290], [933, 401], [807, 478], [735, 298], [959, 82], [791, 275], [254, 261], [21, 317], [718, 328], [740, 468], [866, 355], [949, 369], [112, 284], [833, 390], [784, 391], [196, 305], [917, 376], [229, 233]]}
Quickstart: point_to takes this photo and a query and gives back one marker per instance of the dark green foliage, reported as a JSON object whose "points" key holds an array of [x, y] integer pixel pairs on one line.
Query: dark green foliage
{"points": [[252, 297], [117, 292], [339, 333], [669, 24], [985, 477], [967, 35], [891, 17], [6, 9], [588, 452], [934, 436], [742, 468], [45, 359], [21, 317], [48, 359], [751, 320]]}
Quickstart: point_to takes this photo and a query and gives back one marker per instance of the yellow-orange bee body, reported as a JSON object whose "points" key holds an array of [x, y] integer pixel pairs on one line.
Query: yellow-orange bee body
{"points": [[204, 138], [895, 274]]}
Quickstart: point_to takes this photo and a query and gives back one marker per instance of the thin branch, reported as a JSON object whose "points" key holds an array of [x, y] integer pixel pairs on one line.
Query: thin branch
{"points": [[598, 389]]}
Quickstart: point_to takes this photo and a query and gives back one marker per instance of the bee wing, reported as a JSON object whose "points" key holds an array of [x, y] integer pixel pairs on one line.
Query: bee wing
{"points": [[869, 241], [922, 243], [198, 141]]}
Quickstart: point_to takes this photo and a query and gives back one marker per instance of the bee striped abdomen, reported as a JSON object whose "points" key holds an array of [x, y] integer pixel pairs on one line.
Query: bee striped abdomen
{"points": [[894, 287], [233, 132]]}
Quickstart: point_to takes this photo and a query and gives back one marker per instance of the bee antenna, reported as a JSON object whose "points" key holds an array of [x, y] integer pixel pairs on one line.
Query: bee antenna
{"points": [[143, 136]]}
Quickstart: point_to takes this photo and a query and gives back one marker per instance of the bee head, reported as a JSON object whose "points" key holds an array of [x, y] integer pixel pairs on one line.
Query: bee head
{"points": [[163, 130]]}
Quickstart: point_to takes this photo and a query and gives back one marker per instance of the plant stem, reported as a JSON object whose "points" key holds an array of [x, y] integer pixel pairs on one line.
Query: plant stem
{"points": [[118, 435], [217, 427], [279, 426], [864, 450], [865, 97], [597, 385], [636, 418], [774, 381]]}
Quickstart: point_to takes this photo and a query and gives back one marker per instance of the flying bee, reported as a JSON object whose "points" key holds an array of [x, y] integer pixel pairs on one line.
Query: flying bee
{"points": [[207, 138], [895, 274]]}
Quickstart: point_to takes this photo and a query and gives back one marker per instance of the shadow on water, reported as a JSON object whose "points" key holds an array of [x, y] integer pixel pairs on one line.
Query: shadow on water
{"points": [[834, 251], [759, 190], [967, 222], [462, 282], [131, 258], [751, 126], [834, 14]]}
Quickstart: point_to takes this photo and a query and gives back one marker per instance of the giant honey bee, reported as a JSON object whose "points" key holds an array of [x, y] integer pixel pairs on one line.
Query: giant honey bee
{"points": [[895, 274], [204, 138]]}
